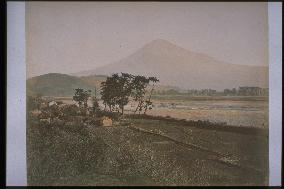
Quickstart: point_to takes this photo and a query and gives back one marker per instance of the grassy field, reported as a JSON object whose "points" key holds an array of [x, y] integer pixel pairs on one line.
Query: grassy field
{"points": [[147, 151]]}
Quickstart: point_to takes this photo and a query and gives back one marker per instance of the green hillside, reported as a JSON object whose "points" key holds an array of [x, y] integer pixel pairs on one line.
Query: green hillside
{"points": [[94, 80], [56, 84]]}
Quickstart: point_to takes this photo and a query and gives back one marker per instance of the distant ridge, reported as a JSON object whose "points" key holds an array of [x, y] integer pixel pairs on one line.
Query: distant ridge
{"points": [[55, 84], [62, 85], [176, 66]]}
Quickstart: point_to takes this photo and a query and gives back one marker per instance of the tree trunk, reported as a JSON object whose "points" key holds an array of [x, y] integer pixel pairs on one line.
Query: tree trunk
{"points": [[139, 104], [146, 107], [149, 100], [136, 108]]}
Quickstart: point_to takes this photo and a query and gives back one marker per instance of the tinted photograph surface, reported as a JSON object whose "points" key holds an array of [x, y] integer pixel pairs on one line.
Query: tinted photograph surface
{"points": [[147, 93]]}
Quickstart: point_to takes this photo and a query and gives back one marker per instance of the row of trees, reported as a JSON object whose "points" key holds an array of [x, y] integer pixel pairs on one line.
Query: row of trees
{"points": [[241, 91], [82, 96], [118, 90]]}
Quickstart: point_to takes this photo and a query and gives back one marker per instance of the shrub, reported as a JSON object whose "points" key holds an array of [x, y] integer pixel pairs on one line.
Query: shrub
{"points": [[112, 115], [70, 110]]}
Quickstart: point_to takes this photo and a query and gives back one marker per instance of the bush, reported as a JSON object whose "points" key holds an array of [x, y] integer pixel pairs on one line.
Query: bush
{"points": [[70, 110], [112, 115], [93, 122]]}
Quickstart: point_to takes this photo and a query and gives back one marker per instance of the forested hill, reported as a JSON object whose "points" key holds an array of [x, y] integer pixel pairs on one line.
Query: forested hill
{"points": [[56, 84]]}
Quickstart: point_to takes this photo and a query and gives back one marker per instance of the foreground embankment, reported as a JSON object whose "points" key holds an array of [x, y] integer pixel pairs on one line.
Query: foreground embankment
{"points": [[147, 151]]}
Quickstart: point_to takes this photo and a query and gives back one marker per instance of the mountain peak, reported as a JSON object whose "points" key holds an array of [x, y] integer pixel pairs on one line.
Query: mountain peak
{"points": [[159, 40], [177, 66], [161, 43]]}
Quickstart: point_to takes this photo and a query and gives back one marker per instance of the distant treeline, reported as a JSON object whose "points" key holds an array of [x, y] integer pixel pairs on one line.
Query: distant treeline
{"points": [[241, 91]]}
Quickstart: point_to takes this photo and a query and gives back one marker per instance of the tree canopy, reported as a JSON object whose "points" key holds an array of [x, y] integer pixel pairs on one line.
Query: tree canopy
{"points": [[117, 90], [81, 97]]}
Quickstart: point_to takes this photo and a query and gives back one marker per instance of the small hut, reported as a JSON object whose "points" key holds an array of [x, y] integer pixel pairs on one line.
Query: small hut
{"points": [[51, 103], [106, 121], [35, 113]]}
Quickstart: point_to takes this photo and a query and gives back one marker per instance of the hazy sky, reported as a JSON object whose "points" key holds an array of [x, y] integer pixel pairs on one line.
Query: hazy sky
{"points": [[68, 37]]}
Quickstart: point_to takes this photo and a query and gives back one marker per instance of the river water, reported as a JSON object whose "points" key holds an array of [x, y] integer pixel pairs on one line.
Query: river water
{"points": [[237, 113], [249, 113]]}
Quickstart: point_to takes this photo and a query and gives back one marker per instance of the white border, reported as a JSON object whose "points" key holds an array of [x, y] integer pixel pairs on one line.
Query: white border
{"points": [[275, 92], [16, 94], [16, 169]]}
